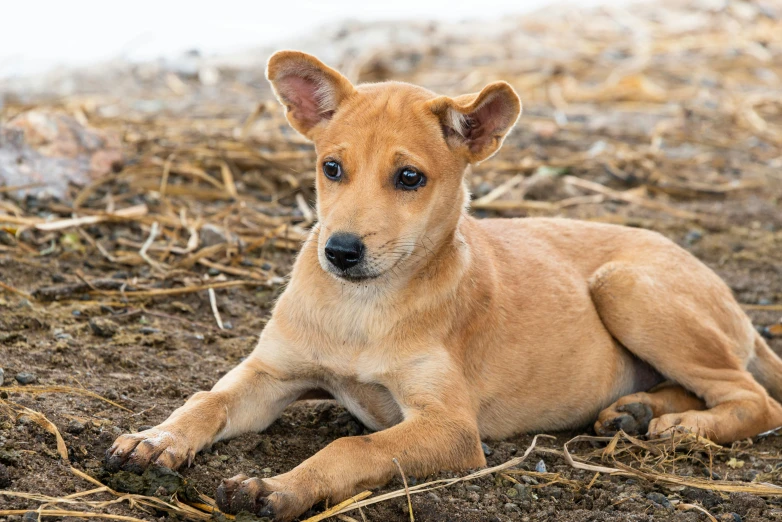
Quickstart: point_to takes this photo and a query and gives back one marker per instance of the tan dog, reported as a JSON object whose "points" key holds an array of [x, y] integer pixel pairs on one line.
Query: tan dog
{"points": [[437, 329]]}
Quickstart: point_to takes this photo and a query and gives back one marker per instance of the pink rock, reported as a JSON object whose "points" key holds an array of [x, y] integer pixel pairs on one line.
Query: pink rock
{"points": [[55, 150]]}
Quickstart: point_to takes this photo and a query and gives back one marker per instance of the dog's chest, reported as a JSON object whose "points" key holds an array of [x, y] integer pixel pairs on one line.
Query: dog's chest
{"points": [[356, 382]]}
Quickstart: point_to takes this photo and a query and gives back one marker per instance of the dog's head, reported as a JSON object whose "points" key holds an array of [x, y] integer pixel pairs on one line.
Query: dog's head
{"points": [[391, 161]]}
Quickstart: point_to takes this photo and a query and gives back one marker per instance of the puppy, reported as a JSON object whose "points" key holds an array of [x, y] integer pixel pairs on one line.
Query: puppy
{"points": [[436, 329]]}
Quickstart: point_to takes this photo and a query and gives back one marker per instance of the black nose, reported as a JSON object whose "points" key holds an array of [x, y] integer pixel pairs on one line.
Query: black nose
{"points": [[344, 250]]}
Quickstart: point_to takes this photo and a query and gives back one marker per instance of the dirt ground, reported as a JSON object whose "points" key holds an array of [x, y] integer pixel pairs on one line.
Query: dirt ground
{"points": [[689, 164]]}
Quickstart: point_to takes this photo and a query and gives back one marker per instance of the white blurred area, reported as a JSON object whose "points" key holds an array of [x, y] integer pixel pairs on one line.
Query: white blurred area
{"points": [[37, 36]]}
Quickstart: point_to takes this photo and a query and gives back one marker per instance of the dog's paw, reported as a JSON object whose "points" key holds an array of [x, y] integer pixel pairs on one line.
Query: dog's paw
{"points": [[136, 451], [673, 424], [261, 497], [632, 418]]}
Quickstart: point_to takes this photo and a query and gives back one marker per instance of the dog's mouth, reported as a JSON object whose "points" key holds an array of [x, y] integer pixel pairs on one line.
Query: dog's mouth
{"points": [[355, 278]]}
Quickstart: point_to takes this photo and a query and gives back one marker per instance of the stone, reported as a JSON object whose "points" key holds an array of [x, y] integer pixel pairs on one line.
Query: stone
{"points": [[26, 378], [52, 149], [103, 327]]}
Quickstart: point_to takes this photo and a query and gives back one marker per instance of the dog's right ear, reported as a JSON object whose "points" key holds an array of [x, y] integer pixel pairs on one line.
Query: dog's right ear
{"points": [[310, 90]]}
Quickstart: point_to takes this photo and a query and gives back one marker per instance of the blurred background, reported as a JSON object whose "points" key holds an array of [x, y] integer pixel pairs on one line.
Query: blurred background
{"points": [[86, 32], [153, 199]]}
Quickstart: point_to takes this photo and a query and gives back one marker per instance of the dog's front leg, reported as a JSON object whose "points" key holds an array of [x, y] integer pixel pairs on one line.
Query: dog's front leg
{"points": [[439, 432], [248, 398]]}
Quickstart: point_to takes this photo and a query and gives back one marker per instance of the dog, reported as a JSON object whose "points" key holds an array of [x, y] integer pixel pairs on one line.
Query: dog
{"points": [[436, 329]]}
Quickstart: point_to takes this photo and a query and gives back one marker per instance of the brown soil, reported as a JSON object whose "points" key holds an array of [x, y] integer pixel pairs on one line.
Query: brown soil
{"points": [[150, 354]]}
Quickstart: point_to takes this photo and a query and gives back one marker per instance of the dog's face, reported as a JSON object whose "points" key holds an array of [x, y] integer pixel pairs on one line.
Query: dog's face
{"points": [[391, 162]]}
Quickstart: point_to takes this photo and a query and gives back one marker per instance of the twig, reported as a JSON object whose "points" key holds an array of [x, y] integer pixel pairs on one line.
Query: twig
{"points": [[215, 311], [148, 243], [129, 213], [345, 505], [178, 291], [11, 289], [407, 489]]}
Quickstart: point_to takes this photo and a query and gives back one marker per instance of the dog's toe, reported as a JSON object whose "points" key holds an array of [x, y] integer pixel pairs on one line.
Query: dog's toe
{"points": [[241, 493], [632, 418]]}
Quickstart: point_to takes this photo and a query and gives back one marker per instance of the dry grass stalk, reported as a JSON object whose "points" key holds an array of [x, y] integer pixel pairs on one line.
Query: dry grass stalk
{"points": [[37, 390], [17, 410], [407, 489]]}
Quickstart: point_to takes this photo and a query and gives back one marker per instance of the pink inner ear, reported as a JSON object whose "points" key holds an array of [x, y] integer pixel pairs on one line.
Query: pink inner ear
{"points": [[489, 120], [301, 95]]}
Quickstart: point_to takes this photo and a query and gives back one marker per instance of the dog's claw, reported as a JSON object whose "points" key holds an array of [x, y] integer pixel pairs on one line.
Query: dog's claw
{"points": [[240, 493]]}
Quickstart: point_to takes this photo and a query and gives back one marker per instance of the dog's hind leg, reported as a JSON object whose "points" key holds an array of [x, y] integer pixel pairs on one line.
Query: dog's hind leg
{"points": [[679, 317], [633, 413]]}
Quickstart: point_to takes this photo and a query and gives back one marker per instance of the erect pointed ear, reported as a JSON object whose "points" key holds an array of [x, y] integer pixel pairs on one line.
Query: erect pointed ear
{"points": [[476, 124], [310, 90]]}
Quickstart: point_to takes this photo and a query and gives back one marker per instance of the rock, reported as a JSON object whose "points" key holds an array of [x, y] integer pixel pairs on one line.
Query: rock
{"points": [[512, 493], [5, 477], [486, 449], [660, 499], [211, 235], [52, 149], [103, 327], [30, 516], [75, 427], [26, 378], [523, 491], [743, 502], [540, 467], [510, 506], [2, 376], [730, 517], [693, 236], [472, 487], [147, 330]]}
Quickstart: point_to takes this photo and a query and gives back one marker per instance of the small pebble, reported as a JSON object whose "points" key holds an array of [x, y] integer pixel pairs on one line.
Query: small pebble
{"points": [[523, 491], [103, 327], [510, 506], [486, 449], [76, 313], [764, 301], [659, 498], [147, 330], [26, 378], [60, 335], [2, 376], [731, 517], [266, 266], [540, 467], [228, 325], [75, 427], [472, 487], [5, 477], [213, 272], [693, 236], [30, 516]]}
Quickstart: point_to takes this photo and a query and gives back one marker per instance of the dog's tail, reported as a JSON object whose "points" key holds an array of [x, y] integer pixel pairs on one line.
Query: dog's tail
{"points": [[766, 367]]}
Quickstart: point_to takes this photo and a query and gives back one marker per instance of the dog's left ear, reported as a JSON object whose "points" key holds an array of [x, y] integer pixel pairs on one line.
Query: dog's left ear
{"points": [[476, 124], [310, 90]]}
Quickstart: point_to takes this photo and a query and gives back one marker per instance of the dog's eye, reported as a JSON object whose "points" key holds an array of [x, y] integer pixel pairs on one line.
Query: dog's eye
{"points": [[332, 170], [410, 179]]}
